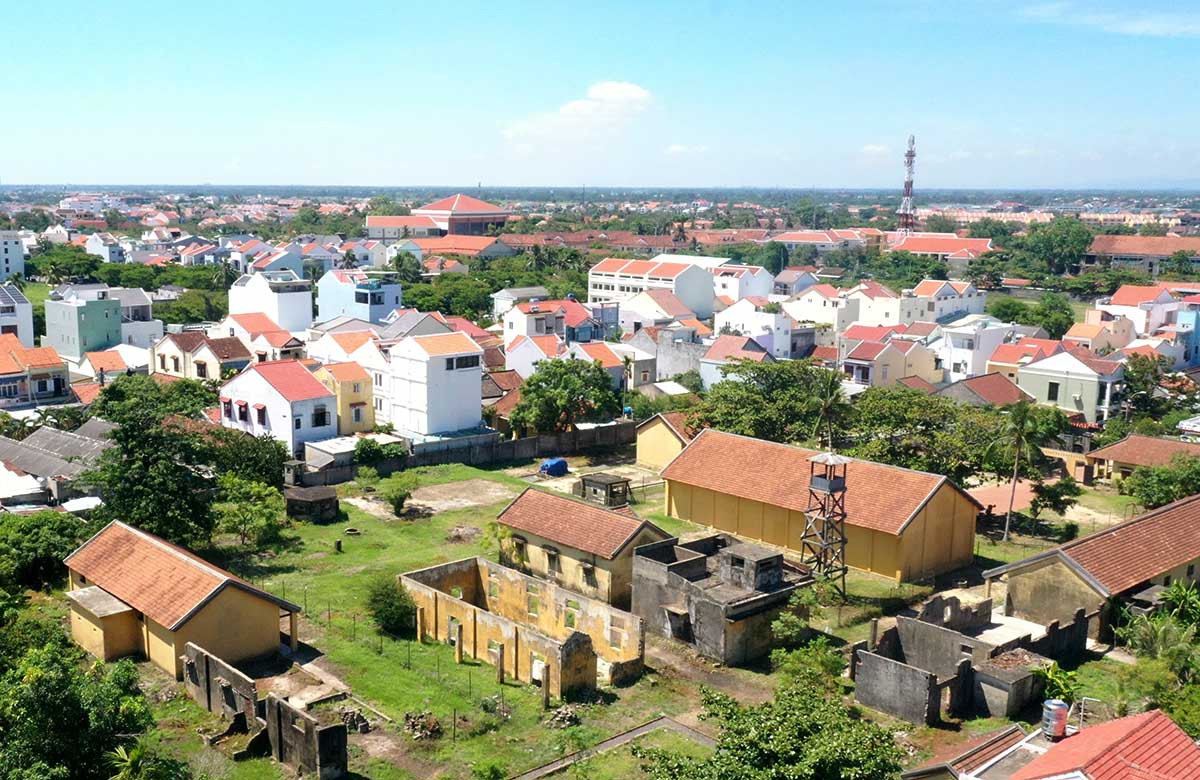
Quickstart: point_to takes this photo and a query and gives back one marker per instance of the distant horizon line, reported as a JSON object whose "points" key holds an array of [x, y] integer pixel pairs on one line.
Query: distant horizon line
{"points": [[1171, 188]]}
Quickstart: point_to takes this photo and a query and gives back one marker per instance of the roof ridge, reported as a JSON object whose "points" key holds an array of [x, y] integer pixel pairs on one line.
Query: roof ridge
{"points": [[1124, 523], [176, 551]]}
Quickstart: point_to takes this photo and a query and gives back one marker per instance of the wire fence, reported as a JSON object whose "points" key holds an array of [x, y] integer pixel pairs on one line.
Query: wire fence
{"points": [[466, 698]]}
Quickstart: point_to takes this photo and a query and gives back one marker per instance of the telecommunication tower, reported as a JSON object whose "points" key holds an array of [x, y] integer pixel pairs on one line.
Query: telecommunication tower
{"points": [[906, 213], [823, 545]]}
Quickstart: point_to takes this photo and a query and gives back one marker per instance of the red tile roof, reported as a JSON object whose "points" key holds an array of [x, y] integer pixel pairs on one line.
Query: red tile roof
{"points": [[1133, 294], [1151, 246], [374, 220], [1138, 450], [598, 350], [164, 582], [995, 389], [692, 322], [254, 323], [670, 303], [290, 379], [824, 353], [107, 360], [86, 392], [228, 348], [347, 372], [438, 344], [574, 524], [1148, 746], [880, 497], [729, 347], [872, 332], [352, 340], [1023, 352], [454, 245], [463, 325], [975, 752], [938, 245], [917, 383], [507, 380], [676, 421], [866, 350], [460, 204], [1127, 554]]}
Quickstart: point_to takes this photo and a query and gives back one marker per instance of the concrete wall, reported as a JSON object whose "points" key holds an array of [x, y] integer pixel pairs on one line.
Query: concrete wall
{"points": [[300, 741], [537, 623], [218, 687], [236, 625], [936, 649], [897, 688], [1048, 590]]}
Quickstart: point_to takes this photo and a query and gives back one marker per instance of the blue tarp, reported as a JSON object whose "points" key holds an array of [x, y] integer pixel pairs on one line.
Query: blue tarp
{"points": [[554, 467]]}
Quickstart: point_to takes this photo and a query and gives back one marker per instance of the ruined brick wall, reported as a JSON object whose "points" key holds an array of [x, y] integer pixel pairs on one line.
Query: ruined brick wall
{"points": [[896, 688], [532, 618], [300, 741], [218, 687]]}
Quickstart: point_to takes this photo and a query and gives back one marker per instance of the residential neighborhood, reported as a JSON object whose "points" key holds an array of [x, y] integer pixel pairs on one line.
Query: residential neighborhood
{"points": [[552, 424]]}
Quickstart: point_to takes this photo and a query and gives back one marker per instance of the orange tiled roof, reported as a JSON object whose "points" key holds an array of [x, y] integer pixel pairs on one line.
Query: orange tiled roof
{"points": [[880, 497], [164, 582], [446, 344], [1138, 450], [574, 524]]}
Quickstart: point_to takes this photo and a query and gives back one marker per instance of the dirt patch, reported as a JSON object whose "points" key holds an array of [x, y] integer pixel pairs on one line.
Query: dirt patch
{"points": [[372, 507], [670, 659], [460, 495], [461, 534], [384, 745]]}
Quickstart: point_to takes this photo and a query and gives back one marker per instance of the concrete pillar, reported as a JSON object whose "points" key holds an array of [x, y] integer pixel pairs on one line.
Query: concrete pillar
{"points": [[458, 643], [874, 634], [987, 588], [293, 631], [420, 623], [500, 664], [546, 688]]}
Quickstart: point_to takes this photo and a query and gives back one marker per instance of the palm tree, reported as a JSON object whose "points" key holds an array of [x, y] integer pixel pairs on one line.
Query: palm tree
{"points": [[1164, 638], [17, 280], [829, 404], [1024, 430]]}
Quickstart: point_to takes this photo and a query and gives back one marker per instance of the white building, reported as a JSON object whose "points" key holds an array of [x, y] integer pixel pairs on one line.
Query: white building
{"points": [[689, 278], [16, 314], [741, 281], [281, 295], [106, 247], [761, 320], [12, 253], [281, 399], [1148, 307], [944, 299], [524, 353], [823, 304], [652, 308], [436, 384], [967, 344]]}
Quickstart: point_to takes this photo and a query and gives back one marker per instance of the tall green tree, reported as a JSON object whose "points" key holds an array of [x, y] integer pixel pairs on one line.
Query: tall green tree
{"points": [[769, 400], [803, 734], [252, 510], [561, 393], [1062, 243], [1025, 428], [829, 404]]}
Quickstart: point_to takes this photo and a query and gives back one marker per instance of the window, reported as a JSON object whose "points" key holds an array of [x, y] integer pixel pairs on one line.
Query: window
{"points": [[357, 388], [261, 414], [493, 590], [175, 363], [320, 417], [1052, 392], [449, 364], [467, 361], [201, 370], [1191, 571], [227, 408], [243, 411], [736, 563], [532, 604], [1167, 581], [552, 564], [162, 362], [379, 380], [297, 422], [41, 385], [9, 390], [356, 414]]}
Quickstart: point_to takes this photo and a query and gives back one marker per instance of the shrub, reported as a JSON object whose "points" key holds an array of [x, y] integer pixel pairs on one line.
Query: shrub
{"points": [[367, 478], [391, 606], [1060, 684], [397, 488]]}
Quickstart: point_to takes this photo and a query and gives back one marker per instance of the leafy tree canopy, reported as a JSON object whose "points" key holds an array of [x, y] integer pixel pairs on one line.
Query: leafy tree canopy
{"points": [[561, 393]]}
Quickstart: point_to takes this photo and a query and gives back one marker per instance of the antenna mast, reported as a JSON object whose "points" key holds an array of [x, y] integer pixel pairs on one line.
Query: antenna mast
{"points": [[906, 213]]}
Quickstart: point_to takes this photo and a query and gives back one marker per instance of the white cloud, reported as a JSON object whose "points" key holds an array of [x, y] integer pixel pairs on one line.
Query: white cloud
{"points": [[1155, 24], [679, 149], [606, 107], [873, 150]]}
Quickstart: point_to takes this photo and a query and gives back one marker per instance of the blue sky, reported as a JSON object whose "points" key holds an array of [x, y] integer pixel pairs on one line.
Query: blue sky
{"points": [[791, 94]]}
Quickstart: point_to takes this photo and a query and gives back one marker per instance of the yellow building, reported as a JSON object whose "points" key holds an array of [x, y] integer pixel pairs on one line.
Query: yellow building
{"points": [[583, 547], [900, 523], [132, 593], [661, 438], [351, 383]]}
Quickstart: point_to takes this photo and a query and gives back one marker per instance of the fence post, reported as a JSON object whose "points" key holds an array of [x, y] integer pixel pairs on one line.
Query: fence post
{"points": [[500, 669], [458, 640], [419, 624]]}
